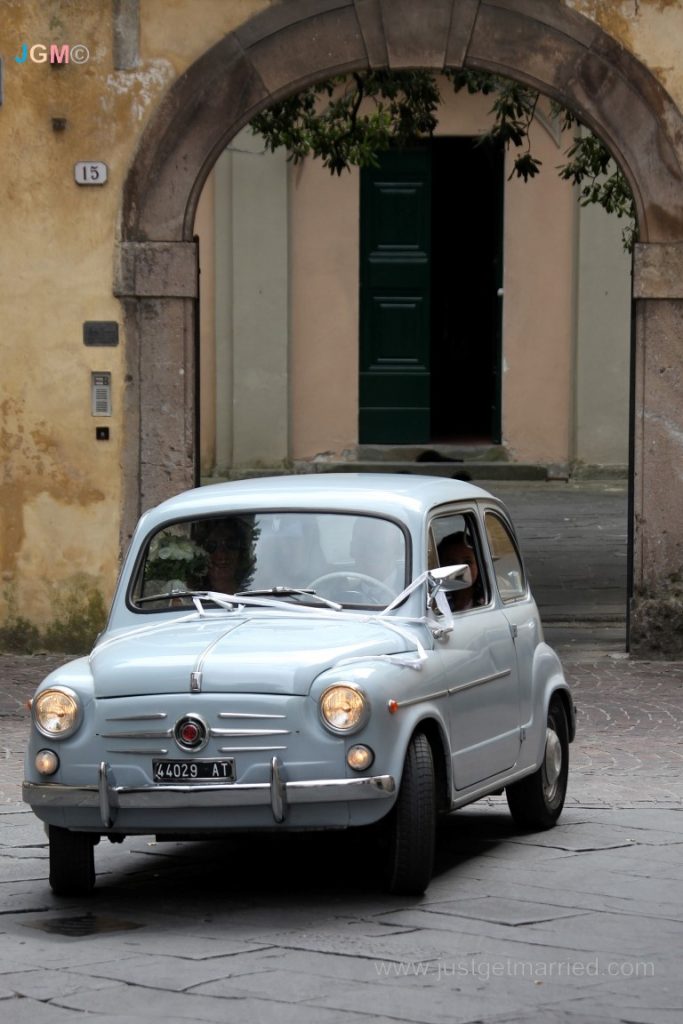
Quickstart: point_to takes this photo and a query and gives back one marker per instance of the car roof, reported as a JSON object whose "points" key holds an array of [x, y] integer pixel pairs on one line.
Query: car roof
{"points": [[392, 494]]}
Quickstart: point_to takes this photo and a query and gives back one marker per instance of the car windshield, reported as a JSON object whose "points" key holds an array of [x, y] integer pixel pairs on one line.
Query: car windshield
{"points": [[354, 560]]}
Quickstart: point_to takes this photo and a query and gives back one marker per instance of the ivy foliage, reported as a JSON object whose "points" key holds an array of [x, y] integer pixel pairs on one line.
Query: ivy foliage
{"points": [[350, 120]]}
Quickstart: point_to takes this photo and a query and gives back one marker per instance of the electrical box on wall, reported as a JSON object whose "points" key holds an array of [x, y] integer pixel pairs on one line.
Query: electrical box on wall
{"points": [[100, 393]]}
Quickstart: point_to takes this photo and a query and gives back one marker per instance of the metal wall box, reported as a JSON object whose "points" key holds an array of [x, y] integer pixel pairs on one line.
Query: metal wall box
{"points": [[103, 333], [100, 394]]}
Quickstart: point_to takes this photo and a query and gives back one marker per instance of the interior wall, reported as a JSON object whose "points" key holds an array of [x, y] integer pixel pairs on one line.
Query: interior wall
{"points": [[205, 230], [603, 340], [246, 362], [538, 309], [324, 246]]}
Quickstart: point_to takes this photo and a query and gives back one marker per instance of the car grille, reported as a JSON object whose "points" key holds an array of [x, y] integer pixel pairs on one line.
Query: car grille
{"points": [[230, 730]]}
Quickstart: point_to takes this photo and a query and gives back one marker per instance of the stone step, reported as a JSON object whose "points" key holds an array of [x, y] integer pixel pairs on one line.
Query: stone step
{"points": [[457, 470], [430, 453]]}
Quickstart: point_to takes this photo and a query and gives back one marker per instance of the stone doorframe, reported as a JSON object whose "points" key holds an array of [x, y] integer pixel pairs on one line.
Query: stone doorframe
{"points": [[294, 44]]}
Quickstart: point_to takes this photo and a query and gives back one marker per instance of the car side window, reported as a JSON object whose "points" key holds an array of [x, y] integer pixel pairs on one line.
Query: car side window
{"points": [[454, 540], [507, 564]]}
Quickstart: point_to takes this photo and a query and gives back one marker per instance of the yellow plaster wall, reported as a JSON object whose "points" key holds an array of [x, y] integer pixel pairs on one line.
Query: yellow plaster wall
{"points": [[651, 29], [60, 489]]}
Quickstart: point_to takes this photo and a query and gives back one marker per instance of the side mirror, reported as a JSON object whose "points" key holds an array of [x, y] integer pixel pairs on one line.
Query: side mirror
{"points": [[451, 577]]}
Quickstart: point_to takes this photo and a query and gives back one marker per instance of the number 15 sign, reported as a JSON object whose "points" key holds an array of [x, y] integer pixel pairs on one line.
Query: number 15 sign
{"points": [[90, 172]]}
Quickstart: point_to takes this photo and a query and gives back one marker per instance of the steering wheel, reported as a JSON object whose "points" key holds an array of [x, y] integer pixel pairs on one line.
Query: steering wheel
{"points": [[383, 591]]}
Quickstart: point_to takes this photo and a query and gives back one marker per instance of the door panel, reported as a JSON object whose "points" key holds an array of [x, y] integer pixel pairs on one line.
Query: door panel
{"points": [[480, 664], [395, 299]]}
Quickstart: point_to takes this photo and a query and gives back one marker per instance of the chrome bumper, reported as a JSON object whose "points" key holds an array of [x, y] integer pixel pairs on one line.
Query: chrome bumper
{"points": [[277, 793]]}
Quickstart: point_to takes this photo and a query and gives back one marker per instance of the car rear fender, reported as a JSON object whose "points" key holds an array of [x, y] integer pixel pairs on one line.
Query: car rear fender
{"points": [[548, 683]]}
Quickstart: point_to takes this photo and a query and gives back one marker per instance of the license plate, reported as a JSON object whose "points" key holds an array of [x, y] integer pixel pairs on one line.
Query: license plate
{"points": [[194, 771]]}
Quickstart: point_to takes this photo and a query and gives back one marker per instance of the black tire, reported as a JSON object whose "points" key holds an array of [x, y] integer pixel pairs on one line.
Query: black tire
{"points": [[536, 802], [412, 825], [72, 862]]}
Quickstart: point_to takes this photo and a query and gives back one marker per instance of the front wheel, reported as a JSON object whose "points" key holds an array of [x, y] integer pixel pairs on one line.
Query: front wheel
{"points": [[536, 802], [413, 822], [72, 862]]}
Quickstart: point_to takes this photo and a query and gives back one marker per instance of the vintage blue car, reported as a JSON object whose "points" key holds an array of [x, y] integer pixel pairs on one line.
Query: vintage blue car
{"points": [[306, 652]]}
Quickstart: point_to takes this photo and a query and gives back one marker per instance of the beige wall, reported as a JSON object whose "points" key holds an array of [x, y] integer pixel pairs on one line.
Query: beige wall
{"points": [[538, 306], [324, 244]]}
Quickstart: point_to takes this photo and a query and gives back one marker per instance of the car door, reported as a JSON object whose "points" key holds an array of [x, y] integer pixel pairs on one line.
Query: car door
{"points": [[478, 661], [518, 605]]}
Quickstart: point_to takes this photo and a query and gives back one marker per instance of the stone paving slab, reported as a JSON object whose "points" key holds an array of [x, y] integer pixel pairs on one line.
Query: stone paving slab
{"points": [[580, 923]]}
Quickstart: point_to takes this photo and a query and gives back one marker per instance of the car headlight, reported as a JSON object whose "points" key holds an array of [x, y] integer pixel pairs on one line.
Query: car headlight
{"points": [[344, 708], [57, 713]]}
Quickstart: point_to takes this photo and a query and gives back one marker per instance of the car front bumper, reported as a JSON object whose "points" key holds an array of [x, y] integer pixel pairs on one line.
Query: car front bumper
{"points": [[278, 793]]}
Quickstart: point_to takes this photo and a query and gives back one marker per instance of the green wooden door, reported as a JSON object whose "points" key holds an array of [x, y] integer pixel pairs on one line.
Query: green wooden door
{"points": [[395, 318]]}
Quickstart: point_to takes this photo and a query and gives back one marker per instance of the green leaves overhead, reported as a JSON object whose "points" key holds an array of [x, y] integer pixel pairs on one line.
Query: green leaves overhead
{"points": [[349, 120], [326, 122]]}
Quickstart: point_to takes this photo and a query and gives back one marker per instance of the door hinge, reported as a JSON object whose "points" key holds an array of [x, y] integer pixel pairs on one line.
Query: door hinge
{"points": [[514, 630]]}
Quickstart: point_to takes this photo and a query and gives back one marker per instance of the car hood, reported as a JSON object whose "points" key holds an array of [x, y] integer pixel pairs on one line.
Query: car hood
{"points": [[252, 654]]}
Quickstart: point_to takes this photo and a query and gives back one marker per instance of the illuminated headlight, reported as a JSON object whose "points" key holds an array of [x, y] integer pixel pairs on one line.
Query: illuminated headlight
{"points": [[46, 762], [359, 757], [57, 713], [344, 708]]}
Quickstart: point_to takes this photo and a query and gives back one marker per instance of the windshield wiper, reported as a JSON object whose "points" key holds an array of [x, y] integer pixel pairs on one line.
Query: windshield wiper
{"points": [[290, 592], [182, 595]]}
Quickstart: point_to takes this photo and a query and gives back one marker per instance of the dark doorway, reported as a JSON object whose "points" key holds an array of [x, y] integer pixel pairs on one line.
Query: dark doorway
{"points": [[430, 272], [467, 272]]}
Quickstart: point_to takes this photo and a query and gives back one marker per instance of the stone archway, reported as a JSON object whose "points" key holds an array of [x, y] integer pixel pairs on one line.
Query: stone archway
{"points": [[291, 45]]}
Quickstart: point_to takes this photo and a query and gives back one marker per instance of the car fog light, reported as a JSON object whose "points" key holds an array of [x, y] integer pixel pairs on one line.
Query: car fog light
{"points": [[359, 757], [344, 708], [46, 762]]}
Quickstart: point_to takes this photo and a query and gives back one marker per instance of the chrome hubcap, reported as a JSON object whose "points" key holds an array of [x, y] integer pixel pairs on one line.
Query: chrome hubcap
{"points": [[553, 762]]}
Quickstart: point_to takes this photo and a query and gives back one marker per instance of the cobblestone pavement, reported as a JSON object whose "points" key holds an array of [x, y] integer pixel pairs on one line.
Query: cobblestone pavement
{"points": [[578, 924]]}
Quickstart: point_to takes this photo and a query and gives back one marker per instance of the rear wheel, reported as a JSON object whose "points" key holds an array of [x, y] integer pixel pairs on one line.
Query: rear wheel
{"points": [[536, 802], [72, 862], [413, 822]]}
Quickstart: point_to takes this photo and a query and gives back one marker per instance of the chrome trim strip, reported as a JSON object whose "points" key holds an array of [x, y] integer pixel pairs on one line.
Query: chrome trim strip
{"points": [[419, 700], [240, 750], [137, 718], [481, 681], [453, 689], [139, 750], [162, 734], [236, 714], [196, 675], [250, 732], [222, 795]]}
